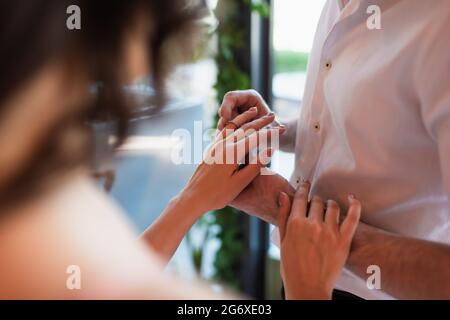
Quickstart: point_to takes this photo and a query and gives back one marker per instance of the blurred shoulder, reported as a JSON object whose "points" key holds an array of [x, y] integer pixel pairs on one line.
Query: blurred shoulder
{"points": [[76, 227]]}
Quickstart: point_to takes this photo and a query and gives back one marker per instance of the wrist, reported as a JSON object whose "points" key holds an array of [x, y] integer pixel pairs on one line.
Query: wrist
{"points": [[309, 294], [190, 203]]}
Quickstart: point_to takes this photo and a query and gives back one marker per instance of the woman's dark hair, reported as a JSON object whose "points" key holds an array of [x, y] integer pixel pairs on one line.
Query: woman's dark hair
{"points": [[33, 33]]}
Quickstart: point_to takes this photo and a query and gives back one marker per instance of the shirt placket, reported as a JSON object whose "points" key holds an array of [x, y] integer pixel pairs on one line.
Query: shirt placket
{"points": [[315, 130]]}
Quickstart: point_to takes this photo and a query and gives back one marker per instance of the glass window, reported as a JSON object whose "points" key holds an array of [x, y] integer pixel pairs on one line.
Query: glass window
{"points": [[294, 25]]}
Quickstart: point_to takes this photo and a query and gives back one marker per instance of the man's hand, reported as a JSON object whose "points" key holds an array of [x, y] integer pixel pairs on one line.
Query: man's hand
{"points": [[260, 198], [236, 102]]}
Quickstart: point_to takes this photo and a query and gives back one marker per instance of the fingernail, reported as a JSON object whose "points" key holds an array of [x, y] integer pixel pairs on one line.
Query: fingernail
{"points": [[351, 197], [253, 109]]}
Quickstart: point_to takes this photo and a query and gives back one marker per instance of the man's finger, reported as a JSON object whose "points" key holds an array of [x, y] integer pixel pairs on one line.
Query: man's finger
{"points": [[243, 99], [242, 119], [230, 127], [284, 209], [221, 124], [300, 202]]}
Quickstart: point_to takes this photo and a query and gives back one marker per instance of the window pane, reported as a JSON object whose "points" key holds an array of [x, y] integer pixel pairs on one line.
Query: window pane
{"points": [[294, 25]]}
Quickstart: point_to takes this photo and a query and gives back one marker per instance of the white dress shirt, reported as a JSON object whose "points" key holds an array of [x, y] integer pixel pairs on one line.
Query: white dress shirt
{"points": [[375, 120]]}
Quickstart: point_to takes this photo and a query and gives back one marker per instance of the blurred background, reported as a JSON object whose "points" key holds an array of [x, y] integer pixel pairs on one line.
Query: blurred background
{"points": [[260, 44]]}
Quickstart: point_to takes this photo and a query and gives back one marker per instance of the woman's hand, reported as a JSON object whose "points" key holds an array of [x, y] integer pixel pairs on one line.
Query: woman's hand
{"points": [[314, 247], [221, 177], [216, 181]]}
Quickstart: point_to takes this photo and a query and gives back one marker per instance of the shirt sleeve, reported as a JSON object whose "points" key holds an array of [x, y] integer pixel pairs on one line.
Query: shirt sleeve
{"points": [[287, 140]]}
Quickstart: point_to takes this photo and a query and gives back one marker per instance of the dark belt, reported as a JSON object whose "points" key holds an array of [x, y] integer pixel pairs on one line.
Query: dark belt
{"points": [[337, 295]]}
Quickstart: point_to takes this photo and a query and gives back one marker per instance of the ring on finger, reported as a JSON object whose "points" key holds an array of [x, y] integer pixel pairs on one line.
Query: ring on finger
{"points": [[233, 124]]}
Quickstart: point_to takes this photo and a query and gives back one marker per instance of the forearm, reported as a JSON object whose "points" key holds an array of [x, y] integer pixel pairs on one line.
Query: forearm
{"points": [[287, 140], [167, 232], [410, 268]]}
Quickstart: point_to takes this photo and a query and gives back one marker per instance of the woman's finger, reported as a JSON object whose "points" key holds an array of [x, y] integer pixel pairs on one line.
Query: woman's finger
{"points": [[348, 227], [284, 205], [259, 123], [300, 202], [256, 139], [332, 215], [248, 131], [239, 144], [316, 209]]}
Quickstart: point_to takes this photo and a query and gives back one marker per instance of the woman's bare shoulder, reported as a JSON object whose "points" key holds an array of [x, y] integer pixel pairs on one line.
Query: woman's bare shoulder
{"points": [[74, 236]]}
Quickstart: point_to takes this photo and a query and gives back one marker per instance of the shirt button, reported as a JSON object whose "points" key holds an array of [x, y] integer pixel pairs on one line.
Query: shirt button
{"points": [[328, 65], [317, 126]]}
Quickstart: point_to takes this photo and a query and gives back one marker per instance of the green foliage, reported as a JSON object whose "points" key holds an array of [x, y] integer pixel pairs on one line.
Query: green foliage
{"points": [[230, 39], [290, 61], [197, 248], [226, 263], [261, 7]]}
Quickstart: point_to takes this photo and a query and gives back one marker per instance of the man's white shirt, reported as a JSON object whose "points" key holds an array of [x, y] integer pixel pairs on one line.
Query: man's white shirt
{"points": [[375, 119]]}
